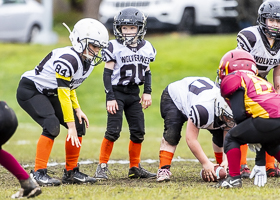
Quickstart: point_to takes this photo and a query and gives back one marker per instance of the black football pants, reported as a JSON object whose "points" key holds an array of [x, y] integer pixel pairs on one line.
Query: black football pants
{"points": [[128, 101], [45, 110], [255, 130]]}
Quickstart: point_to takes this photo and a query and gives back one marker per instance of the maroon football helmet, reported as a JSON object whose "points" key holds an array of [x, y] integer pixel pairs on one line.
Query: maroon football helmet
{"points": [[236, 60]]}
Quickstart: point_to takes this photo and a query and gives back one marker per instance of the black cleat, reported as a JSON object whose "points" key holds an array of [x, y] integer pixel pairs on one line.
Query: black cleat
{"points": [[139, 172], [230, 182], [43, 179], [76, 177]]}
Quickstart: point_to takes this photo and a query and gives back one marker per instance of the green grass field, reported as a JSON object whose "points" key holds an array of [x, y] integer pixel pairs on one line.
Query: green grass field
{"points": [[178, 56]]}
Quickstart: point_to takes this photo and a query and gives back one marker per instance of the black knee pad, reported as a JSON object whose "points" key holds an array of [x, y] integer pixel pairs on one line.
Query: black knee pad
{"points": [[137, 138], [230, 143], [51, 126], [112, 136], [8, 122], [172, 136]]}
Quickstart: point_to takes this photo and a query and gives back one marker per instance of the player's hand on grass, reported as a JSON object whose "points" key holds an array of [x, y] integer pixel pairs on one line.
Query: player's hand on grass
{"points": [[146, 100], [259, 172], [112, 107]]}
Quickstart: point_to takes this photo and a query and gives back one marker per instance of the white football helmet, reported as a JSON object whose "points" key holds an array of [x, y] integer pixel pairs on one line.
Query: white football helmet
{"points": [[88, 31], [223, 111]]}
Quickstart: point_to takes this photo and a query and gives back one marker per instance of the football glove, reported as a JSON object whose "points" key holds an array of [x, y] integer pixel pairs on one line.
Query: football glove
{"points": [[259, 172], [255, 147]]}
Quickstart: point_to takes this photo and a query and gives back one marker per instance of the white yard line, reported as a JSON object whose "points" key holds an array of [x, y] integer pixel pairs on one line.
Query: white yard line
{"points": [[86, 162]]}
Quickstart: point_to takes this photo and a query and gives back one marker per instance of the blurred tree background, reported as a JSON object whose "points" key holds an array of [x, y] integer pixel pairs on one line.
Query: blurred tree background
{"points": [[70, 11]]}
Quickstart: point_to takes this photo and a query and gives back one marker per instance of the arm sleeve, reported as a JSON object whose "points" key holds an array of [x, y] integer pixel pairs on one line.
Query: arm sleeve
{"points": [[108, 84], [238, 106], [148, 82], [74, 99], [260, 158], [230, 84], [63, 91]]}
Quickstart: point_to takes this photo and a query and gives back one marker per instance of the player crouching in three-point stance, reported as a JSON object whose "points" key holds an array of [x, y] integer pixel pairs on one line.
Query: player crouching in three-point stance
{"points": [[263, 42], [8, 126], [255, 106], [48, 95], [127, 66], [198, 101]]}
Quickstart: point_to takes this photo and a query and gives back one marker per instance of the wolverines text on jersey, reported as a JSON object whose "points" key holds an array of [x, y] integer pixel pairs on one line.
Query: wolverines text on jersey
{"points": [[252, 39], [130, 62]]}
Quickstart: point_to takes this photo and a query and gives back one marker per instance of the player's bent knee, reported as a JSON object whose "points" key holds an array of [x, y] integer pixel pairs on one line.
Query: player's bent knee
{"points": [[230, 143], [172, 139], [137, 140], [112, 137], [52, 126], [218, 141]]}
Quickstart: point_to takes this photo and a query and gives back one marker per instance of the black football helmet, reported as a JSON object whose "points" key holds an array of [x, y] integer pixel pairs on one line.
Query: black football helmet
{"points": [[269, 9], [130, 16], [8, 122]]}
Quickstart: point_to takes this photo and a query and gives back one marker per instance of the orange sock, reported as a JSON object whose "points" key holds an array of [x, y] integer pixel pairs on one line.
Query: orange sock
{"points": [[219, 157], [43, 151], [165, 158], [270, 160], [243, 149], [105, 150], [72, 154], [134, 153]]}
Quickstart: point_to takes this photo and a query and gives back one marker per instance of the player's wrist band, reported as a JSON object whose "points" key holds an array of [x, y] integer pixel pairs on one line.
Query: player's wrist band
{"points": [[148, 82]]}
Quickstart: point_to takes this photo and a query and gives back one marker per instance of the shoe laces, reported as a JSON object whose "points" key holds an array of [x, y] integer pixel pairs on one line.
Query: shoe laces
{"points": [[103, 170], [45, 173], [78, 173], [164, 172], [143, 171]]}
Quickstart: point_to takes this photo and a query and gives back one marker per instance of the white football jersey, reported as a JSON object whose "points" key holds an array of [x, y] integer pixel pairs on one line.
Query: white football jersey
{"points": [[64, 61], [130, 62], [251, 39], [195, 98]]}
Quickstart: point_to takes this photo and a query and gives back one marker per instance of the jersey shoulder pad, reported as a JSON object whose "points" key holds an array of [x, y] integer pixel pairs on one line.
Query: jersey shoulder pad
{"points": [[66, 62], [199, 115], [246, 39], [107, 53], [230, 84], [153, 52]]}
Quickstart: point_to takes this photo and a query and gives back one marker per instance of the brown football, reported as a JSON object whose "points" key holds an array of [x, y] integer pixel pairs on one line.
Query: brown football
{"points": [[220, 172]]}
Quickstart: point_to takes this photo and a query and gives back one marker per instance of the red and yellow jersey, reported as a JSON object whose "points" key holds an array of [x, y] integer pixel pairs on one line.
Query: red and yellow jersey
{"points": [[260, 98]]}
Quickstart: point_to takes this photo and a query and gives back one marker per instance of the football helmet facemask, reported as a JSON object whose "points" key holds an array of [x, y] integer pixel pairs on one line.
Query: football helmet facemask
{"points": [[223, 112], [88, 31], [269, 9], [133, 17], [236, 60]]}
